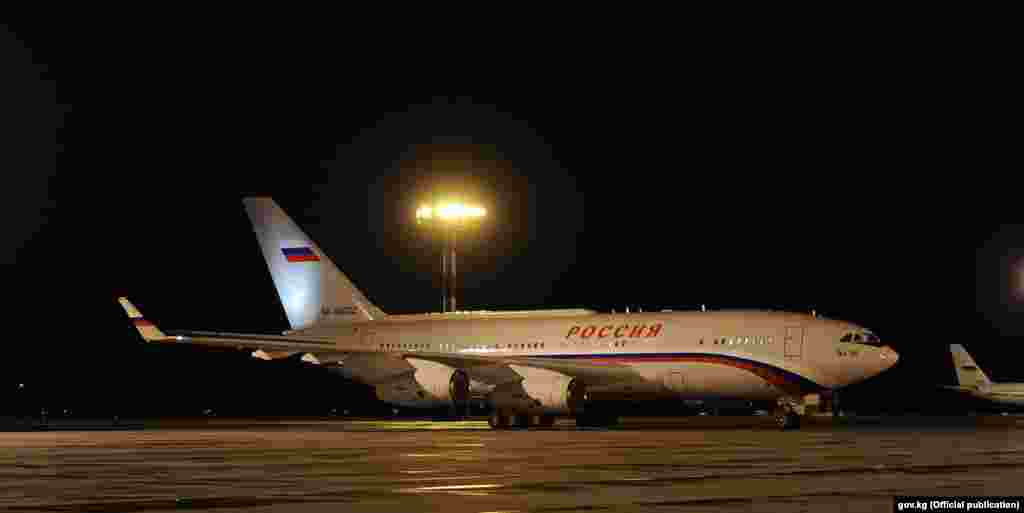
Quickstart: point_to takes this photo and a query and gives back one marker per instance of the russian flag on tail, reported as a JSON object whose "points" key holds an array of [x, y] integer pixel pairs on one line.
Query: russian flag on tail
{"points": [[300, 255]]}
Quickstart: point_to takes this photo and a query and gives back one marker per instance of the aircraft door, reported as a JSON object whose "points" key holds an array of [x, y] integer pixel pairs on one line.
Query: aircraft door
{"points": [[794, 341], [368, 339], [674, 381]]}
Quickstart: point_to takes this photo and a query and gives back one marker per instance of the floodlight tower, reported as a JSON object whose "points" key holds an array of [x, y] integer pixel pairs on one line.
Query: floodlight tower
{"points": [[449, 219]]}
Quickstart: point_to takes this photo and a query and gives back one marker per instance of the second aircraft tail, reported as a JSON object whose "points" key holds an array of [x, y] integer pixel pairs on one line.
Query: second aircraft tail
{"points": [[967, 371], [312, 289]]}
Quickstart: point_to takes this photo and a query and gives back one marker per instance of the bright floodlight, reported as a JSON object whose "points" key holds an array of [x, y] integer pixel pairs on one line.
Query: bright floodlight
{"points": [[449, 212], [449, 219]]}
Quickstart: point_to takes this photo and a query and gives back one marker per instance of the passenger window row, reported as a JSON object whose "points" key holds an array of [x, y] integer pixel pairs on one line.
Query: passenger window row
{"points": [[412, 347], [755, 340], [453, 347], [533, 345]]}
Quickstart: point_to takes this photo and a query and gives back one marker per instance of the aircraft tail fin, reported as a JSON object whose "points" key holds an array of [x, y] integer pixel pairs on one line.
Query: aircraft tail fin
{"points": [[968, 374], [312, 289]]}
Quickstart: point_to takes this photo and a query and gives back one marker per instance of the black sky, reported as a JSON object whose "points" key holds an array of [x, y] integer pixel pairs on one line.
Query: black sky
{"points": [[856, 180]]}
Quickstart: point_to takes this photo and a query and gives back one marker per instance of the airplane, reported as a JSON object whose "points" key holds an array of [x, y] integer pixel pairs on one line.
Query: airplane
{"points": [[973, 381], [533, 366]]}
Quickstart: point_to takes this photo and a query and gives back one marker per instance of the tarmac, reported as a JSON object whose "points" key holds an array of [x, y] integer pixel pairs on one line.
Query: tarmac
{"points": [[366, 465]]}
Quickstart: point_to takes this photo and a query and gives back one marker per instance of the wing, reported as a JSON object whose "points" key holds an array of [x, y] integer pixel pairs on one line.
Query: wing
{"points": [[150, 333], [242, 340], [487, 369], [496, 370]]}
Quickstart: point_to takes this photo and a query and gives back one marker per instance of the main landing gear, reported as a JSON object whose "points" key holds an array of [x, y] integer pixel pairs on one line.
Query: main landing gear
{"points": [[501, 419]]}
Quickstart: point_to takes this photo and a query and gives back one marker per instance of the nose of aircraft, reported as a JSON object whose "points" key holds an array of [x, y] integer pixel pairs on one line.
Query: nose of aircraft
{"points": [[889, 356]]}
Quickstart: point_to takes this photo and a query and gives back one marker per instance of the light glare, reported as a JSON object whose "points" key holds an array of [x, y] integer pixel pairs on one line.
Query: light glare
{"points": [[1018, 287], [450, 212]]}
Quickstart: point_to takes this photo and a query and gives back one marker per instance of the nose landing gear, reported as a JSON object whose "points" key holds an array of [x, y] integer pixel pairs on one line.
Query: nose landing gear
{"points": [[787, 414], [787, 420]]}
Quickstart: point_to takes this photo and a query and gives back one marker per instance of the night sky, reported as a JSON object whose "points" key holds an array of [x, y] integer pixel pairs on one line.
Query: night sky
{"points": [[851, 181]]}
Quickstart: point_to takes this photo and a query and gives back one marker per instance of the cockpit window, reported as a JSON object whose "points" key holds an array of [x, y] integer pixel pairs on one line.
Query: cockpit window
{"points": [[865, 337]]}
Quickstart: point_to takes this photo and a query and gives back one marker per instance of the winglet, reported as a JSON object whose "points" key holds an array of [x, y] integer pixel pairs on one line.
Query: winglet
{"points": [[147, 329]]}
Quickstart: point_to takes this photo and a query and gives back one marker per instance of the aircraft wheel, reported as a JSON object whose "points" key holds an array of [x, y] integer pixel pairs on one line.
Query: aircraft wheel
{"points": [[498, 420], [788, 420], [786, 415], [521, 421]]}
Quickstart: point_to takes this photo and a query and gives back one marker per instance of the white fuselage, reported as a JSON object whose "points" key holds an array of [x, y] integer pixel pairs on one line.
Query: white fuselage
{"points": [[536, 363], [749, 354]]}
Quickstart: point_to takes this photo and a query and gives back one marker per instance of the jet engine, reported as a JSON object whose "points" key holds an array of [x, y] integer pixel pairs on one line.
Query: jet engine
{"points": [[429, 385], [271, 355], [552, 392]]}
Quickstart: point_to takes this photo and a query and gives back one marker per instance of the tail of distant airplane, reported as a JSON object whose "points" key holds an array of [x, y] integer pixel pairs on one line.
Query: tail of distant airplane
{"points": [[312, 289], [967, 372]]}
